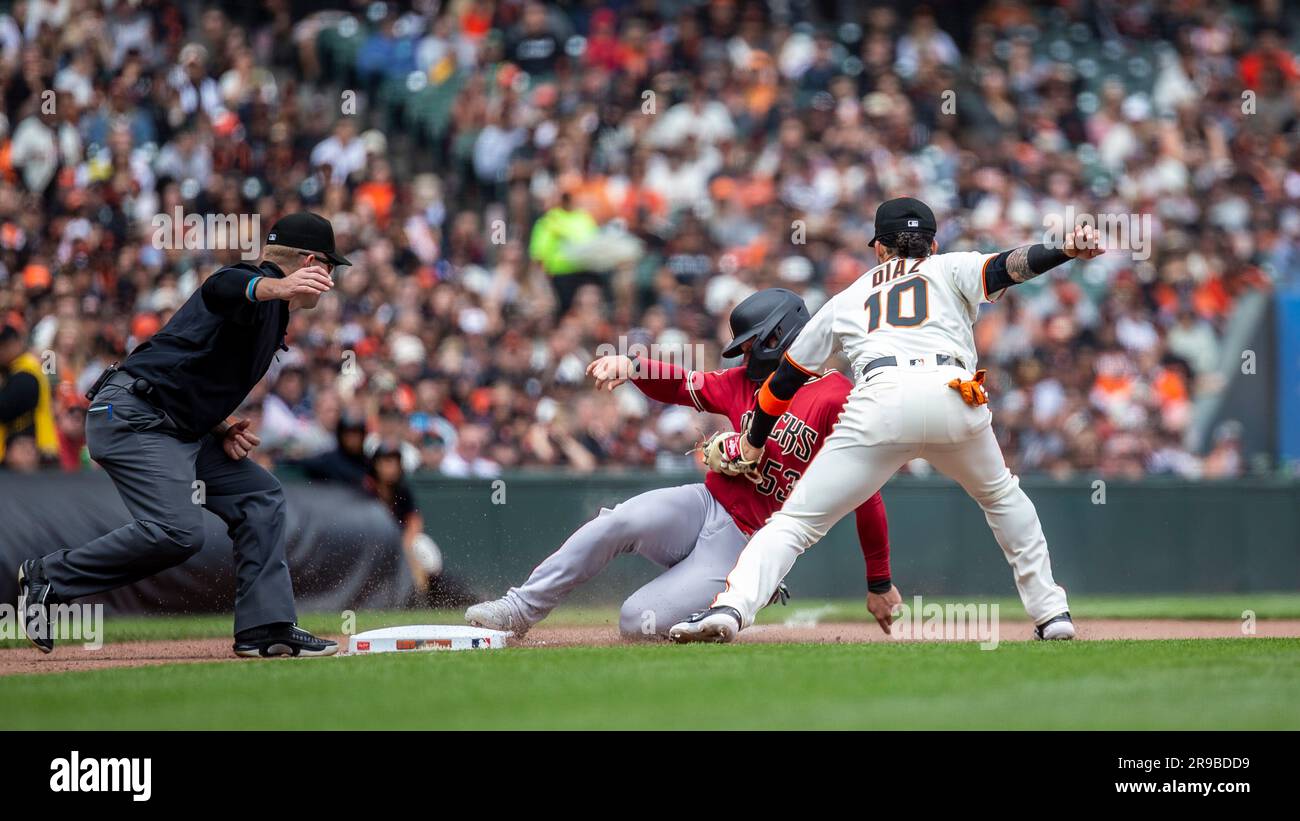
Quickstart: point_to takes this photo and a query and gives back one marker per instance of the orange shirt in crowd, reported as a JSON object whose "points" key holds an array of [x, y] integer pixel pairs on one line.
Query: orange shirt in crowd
{"points": [[379, 196], [1170, 387], [1211, 299]]}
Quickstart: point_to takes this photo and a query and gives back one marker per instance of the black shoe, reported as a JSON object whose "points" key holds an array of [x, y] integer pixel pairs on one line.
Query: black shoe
{"points": [[281, 640], [1059, 628], [34, 602], [717, 624]]}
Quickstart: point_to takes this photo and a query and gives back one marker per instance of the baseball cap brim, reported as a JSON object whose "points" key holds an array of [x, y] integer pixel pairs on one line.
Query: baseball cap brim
{"points": [[307, 232]]}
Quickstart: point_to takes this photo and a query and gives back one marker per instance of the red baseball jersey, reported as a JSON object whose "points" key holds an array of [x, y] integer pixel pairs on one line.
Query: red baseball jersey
{"points": [[795, 439]]}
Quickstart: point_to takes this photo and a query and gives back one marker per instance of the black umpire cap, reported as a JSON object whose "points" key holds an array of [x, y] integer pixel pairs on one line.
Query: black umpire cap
{"points": [[309, 232], [903, 214]]}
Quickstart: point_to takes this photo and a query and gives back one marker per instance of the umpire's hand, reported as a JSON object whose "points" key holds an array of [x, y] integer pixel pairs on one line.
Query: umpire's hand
{"points": [[308, 282], [239, 440]]}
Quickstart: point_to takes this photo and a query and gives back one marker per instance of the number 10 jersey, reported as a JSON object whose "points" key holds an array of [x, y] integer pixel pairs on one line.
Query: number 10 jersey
{"points": [[905, 308]]}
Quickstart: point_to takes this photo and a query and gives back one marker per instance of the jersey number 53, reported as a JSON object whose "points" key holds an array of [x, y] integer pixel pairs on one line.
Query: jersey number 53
{"points": [[772, 474]]}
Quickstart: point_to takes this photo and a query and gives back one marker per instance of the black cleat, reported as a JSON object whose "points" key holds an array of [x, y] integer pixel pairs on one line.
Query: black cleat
{"points": [[1057, 628], [34, 602], [717, 624], [284, 639]]}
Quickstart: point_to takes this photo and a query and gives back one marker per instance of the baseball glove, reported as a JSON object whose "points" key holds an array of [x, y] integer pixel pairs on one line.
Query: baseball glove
{"points": [[722, 455], [781, 596], [971, 390]]}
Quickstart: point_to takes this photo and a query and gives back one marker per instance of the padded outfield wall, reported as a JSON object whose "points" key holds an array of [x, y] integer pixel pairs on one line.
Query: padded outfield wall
{"points": [[1148, 537], [1153, 536]]}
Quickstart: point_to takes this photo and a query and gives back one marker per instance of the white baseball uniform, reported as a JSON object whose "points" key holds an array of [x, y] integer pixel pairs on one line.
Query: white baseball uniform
{"points": [[919, 311]]}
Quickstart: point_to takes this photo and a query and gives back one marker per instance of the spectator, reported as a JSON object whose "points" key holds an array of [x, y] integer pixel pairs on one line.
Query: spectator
{"points": [[26, 409], [488, 196], [342, 153], [534, 46], [466, 458], [346, 464], [555, 239], [386, 482], [21, 454], [72, 432]]}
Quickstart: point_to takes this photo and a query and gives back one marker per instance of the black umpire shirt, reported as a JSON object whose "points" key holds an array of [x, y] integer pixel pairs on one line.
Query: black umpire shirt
{"points": [[207, 358]]}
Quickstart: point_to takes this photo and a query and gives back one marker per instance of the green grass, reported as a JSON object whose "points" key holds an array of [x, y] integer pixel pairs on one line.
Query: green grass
{"points": [[1265, 605], [1221, 606], [1215, 683]]}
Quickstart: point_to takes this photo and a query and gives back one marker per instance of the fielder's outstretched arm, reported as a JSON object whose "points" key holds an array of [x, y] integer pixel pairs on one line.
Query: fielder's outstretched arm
{"points": [[1021, 265]]}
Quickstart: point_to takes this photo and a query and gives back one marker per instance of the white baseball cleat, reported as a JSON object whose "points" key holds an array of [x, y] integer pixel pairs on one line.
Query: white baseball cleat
{"points": [[717, 624], [496, 615], [1057, 628]]}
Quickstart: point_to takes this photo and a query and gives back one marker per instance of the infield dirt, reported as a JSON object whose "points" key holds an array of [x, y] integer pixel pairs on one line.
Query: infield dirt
{"points": [[74, 657]]}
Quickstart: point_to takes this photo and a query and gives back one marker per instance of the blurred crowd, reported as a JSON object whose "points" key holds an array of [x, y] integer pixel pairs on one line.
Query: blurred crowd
{"points": [[624, 175]]}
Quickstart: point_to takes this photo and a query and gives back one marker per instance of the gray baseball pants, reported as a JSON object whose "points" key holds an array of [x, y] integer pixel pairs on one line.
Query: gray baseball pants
{"points": [[683, 529], [166, 483]]}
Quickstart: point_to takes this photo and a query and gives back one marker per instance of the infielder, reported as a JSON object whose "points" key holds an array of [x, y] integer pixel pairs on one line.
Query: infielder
{"points": [[906, 326], [697, 531]]}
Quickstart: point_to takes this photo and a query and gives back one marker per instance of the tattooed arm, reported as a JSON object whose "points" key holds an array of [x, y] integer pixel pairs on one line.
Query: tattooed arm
{"points": [[1023, 264]]}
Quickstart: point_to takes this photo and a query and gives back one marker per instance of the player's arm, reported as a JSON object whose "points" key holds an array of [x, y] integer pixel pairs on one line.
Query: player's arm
{"points": [[799, 364], [873, 526], [1023, 264], [873, 535], [667, 384], [661, 381], [872, 523]]}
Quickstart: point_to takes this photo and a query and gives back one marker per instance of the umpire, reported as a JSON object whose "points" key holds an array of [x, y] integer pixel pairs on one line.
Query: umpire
{"points": [[162, 420]]}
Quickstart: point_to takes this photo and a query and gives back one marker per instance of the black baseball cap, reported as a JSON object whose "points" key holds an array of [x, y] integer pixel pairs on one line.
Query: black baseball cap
{"points": [[903, 214], [308, 231]]}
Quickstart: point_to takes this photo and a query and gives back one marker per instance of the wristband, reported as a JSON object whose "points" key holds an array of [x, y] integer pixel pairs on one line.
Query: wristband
{"points": [[251, 291], [1042, 259], [879, 585]]}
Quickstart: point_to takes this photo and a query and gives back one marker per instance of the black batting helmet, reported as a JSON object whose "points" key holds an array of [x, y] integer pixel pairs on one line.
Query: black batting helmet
{"points": [[760, 316]]}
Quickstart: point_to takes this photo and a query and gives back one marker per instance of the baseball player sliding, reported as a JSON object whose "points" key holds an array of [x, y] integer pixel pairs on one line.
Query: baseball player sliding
{"points": [[697, 531], [906, 327]]}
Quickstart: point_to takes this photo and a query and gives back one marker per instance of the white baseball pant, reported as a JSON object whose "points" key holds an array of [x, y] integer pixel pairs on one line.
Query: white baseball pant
{"points": [[683, 529], [898, 414]]}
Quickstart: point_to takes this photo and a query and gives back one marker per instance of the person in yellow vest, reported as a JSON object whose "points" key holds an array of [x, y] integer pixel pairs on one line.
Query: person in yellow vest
{"points": [[556, 236], [26, 408]]}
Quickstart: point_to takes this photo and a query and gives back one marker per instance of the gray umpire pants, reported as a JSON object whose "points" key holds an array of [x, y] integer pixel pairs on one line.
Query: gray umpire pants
{"points": [[165, 484], [683, 529]]}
